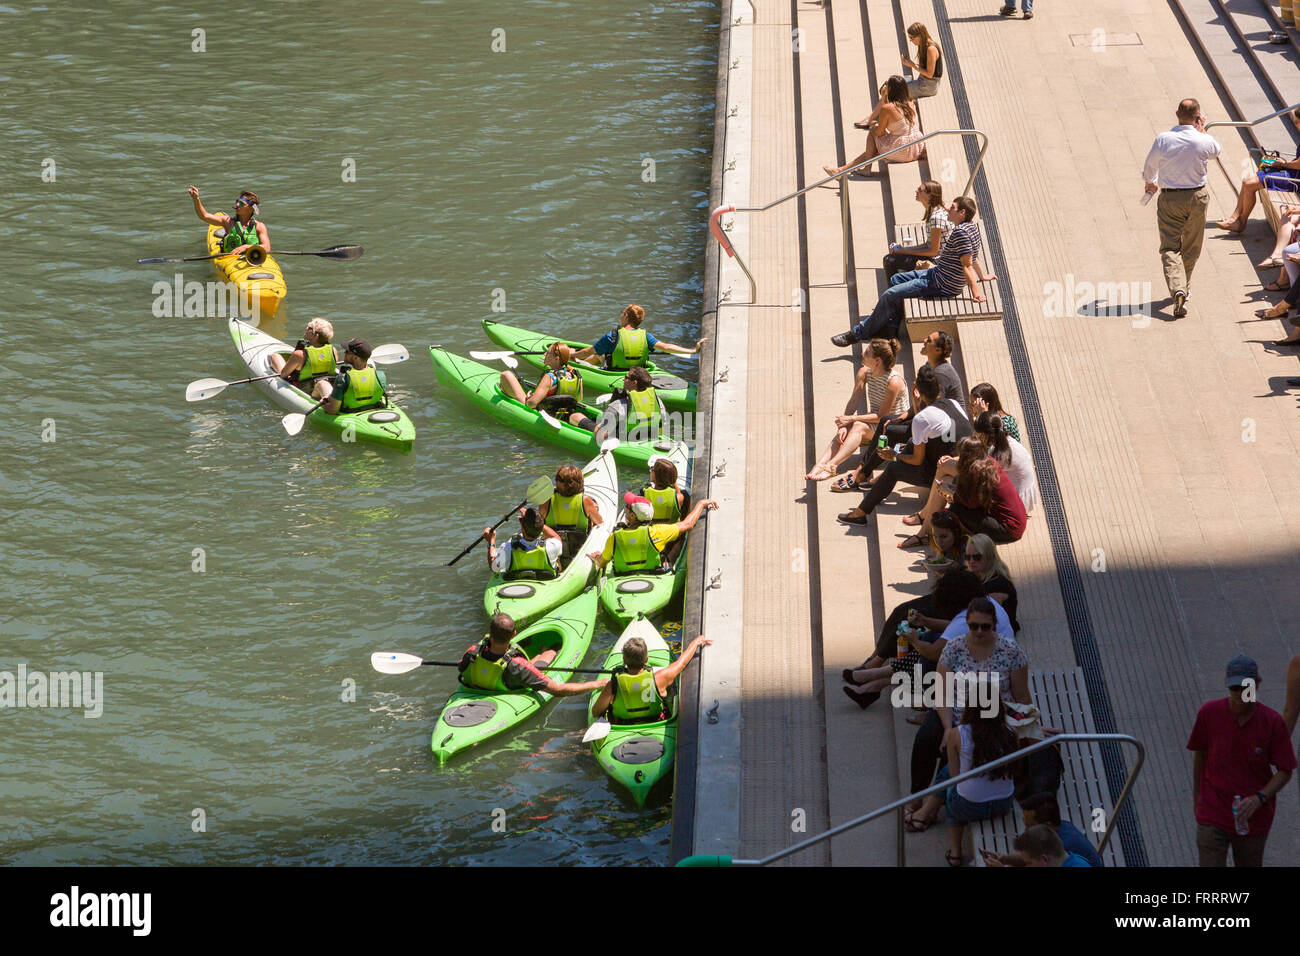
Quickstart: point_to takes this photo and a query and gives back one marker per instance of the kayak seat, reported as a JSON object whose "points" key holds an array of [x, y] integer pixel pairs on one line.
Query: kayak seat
{"points": [[560, 403], [528, 576]]}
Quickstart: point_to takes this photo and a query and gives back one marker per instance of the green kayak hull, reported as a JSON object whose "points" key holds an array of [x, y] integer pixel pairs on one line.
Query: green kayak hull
{"points": [[388, 426], [625, 596], [481, 386], [638, 756], [677, 394], [471, 717], [526, 601]]}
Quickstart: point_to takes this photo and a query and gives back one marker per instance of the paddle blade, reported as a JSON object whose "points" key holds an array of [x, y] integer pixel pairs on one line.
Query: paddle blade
{"points": [[293, 422], [204, 388], [553, 422], [603, 399], [389, 354], [393, 662], [505, 358], [539, 491], [160, 259], [597, 731], [341, 252], [609, 444]]}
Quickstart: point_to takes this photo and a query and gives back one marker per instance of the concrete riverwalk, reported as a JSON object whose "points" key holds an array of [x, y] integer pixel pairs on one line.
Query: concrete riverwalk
{"points": [[1166, 449]]}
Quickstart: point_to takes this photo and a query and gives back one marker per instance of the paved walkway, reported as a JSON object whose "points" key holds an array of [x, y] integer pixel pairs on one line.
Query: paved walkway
{"points": [[1174, 443]]}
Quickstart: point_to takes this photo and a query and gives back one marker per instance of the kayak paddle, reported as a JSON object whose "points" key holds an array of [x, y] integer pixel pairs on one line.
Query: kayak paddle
{"points": [[333, 252], [294, 421], [206, 388], [537, 492], [390, 662], [597, 731], [505, 358]]}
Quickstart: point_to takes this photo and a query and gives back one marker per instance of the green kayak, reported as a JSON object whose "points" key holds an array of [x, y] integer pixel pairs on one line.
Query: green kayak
{"points": [[527, 600], [472, 716], [481, 385], [385, 426], [638, 756], [624, 596], [677, 393]]}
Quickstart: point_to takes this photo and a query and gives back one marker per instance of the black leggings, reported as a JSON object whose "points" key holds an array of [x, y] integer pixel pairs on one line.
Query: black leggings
{"points": [[887, 643], [895, 429], [927, 751], [979, 521]]}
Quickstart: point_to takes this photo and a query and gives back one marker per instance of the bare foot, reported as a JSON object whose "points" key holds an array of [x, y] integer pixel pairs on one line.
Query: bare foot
{"points": [[1232, 225], [831, 170]]}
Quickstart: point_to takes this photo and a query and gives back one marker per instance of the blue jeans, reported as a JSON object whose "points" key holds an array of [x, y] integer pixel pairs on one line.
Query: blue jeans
{"points": [[961, 810], [888, 313]]}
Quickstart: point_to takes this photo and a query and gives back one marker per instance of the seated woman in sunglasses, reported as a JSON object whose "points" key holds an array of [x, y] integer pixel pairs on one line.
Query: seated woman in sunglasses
{"points": [[559, 389], [242, 230]]}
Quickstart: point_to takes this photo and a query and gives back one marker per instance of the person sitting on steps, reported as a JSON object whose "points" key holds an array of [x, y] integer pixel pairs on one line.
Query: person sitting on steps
{"points": [[891, 124]]}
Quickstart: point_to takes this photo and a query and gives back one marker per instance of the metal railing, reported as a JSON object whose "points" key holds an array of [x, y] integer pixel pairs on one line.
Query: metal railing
{"points": [[719, 233], [900, 804], [1245, 124]]}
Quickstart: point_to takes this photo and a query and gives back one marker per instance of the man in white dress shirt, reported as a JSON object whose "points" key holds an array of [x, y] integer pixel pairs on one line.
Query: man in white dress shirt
{"points": [[1178, 161]]}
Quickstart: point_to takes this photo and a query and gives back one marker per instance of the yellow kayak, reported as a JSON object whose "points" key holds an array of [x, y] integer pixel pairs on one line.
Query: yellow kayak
{"points": [[262, 283]]}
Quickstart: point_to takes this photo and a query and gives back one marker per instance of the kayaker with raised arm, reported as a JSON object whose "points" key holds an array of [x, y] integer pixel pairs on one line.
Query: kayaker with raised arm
{"points": [[532, 553], [242, 230], [359, 386], [638, 544], [637, 693], [313, 357], [570, 512], [629, 345], [559, 381], [495, 663]]}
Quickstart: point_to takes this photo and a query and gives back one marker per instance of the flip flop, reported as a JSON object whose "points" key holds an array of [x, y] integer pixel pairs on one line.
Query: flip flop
{"points": [[1269, 264], [1264, 314], [913, 823], [911, 541], [954, 861], [1274, 287], [914, 521]]}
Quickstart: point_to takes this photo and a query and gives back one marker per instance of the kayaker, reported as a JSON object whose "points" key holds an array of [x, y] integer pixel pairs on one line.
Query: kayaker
{"points": [[569, 512], [636, 412], [313, 357], [669, 501], [495, 663], [637, 693], [629, 345], [242, 230], [559, 382], [357, 387], [532, 553], [637, 544]]}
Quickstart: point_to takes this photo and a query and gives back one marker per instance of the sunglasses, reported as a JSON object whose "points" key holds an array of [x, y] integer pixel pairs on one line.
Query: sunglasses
{"points": [[979, 627], [241, 201], [974, 557]]}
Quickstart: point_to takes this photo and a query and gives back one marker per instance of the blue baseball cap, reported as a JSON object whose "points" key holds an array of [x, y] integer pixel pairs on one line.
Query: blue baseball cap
{"points": [[1240, 669]]}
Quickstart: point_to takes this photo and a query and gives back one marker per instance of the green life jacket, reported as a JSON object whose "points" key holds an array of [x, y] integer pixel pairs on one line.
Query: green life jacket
{"points": [[665, 502], [643, 409], [636, 697], [482, 674], [631, 348], [238, 234], [566, 513], [566, 382], [534, 563], [363, 391], [320, 361], [634, 550]]}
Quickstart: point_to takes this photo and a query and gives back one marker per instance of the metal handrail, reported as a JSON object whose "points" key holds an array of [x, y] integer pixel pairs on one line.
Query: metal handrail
{"points": [[982, 769], [718, 233], [1244, 124]]}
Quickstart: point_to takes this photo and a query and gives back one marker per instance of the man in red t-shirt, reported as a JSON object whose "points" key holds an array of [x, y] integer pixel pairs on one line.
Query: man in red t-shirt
{"points": [[1238, 742]]}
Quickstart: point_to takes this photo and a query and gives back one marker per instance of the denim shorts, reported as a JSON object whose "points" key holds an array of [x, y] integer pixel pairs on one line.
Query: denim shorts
{"points": [[961, 810]]}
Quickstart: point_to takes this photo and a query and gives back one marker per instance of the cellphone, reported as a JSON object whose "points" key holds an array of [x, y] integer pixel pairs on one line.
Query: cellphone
{"points": [[898, 449]]}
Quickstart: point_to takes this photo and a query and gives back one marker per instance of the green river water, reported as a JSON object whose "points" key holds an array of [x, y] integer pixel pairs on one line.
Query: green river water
{"points": [[475, 170]]}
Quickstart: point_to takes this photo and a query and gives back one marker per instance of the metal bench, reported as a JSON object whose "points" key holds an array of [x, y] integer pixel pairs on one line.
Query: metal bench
{"points": [[1062, 701], [921, 312]]}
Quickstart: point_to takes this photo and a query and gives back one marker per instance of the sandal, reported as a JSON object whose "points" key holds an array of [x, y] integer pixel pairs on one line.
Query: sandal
{"points": [[1270, 263], [911, 541], [954, 861], [845, 483], [819, 473], [913, 823], [914, 521], [1268, 314], [831, 171], [847, 674], [1274, 287]]}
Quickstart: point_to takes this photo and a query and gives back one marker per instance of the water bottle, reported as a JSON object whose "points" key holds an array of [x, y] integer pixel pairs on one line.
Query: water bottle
{"points": [[1146, 196], [1240, 823], [903, 642]]}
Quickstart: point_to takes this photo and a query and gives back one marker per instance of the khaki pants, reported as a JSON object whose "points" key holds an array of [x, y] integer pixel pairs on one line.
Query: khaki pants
{"points": [[1181, 217], [1212, 844]]}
